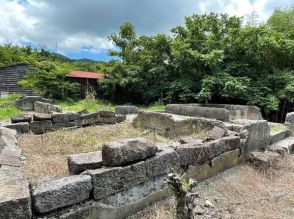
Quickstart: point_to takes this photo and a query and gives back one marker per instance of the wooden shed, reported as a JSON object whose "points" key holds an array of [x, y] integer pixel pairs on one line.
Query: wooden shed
{"points": [[9, 78], [88, 81]]}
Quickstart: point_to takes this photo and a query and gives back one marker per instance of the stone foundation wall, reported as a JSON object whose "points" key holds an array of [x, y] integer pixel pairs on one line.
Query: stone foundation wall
{"points": [[98, 188], [223, 112]]}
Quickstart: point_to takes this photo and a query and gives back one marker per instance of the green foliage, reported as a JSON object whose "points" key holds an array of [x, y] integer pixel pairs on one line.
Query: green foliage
{"points": [[7, 108]]}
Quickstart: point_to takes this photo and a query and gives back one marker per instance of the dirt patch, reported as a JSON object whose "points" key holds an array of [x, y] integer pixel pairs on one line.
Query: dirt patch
{"points": [[47, 154]]}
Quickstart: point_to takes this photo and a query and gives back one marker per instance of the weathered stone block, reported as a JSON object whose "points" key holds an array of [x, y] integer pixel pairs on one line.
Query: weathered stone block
{"points": [[285, 146], [27, 103], [63, 125], [124, 110], [109, 120], [15, 199], [106, 114], [41, 127], [60, 117], [216, 133], [162, 163], [219, 164], [22, 127], [41, 116], [278, 136], [107, 181], [41, 107], [21, 118], [79, 163], [199, 111], [57, 193], [200, 153], [127, 151], [171, 125], [120, 118], [256, 135], [90, 119], [290, 119], [55, 108], [263, 159], [84, 111]]}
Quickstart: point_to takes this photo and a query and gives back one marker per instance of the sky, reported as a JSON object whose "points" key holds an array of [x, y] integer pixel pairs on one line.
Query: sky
{"points": [[79, 28]]}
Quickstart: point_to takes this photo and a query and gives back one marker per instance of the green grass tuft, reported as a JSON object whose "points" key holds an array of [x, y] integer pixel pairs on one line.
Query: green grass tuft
{"points": [[7, 108]]}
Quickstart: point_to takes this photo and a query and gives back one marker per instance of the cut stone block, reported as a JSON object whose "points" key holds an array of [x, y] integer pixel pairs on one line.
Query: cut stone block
{"points": [[79, 163], [63, 125], [219, 164], [127, 151], [162, 163], [106, 114], [57, 193], [22, 127], [56, 108], [171, 125], [60, 117], [255, 135], [21, 118], [41, 116], [41, 127], [290, 119], [124, 110], [90, 119], [41, 107], [107, 181], [284, 146], [278, 136], [15, 199], [200, 153], [27, 103], [263, 159], [109, 120]]}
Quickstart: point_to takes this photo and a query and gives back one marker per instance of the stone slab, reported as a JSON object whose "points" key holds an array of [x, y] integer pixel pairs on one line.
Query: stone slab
{"points": [[57, 193], [108, 181], [41, 116], [219, 164], [127, 151], [15, 200], [21, 118], [105, 113], [278, 136], [22, 127], [78, 163], [124, 110], [284, 146], [63, 125], [41, 107]]}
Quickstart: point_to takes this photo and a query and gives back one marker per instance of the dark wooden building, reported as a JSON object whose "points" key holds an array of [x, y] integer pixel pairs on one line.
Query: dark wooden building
{"points": [[88, 81], [9, 78]]}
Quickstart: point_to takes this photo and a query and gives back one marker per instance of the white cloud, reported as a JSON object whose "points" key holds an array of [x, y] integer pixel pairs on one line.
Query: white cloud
{"points": [[80, 24]]}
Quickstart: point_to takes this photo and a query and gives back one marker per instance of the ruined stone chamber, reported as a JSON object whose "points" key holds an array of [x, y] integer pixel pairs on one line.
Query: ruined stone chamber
{"points": [[129, 175]]}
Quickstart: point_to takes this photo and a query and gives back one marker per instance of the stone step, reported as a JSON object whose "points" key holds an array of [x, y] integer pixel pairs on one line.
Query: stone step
{"points": [[283, 146], [278, 136]]}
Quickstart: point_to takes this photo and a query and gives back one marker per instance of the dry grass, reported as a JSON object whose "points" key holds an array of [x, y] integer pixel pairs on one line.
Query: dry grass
{"points": [[46, 154], [245, 193]]}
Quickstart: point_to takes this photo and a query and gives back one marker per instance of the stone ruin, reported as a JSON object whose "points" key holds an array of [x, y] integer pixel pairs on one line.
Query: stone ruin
{"points": [[48, 117], [129, 175]]}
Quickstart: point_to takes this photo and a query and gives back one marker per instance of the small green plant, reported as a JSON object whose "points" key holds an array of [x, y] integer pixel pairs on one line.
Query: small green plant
{"points": [[7, 108]]}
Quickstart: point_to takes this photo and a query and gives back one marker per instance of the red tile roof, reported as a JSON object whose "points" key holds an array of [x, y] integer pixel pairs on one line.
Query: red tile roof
{"points": [[86, 74]]}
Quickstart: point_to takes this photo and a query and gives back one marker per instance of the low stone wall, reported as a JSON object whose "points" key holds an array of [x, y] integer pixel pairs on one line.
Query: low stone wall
{"points": [[171, 125], [108, 188], [40, 123], [198, 111], [15, 199], [223, 112]]}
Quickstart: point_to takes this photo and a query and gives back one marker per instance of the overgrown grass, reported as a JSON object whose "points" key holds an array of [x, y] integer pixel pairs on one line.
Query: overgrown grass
{"points": [[47, 154], [156, 107], [7, 108], [83, 104]]}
